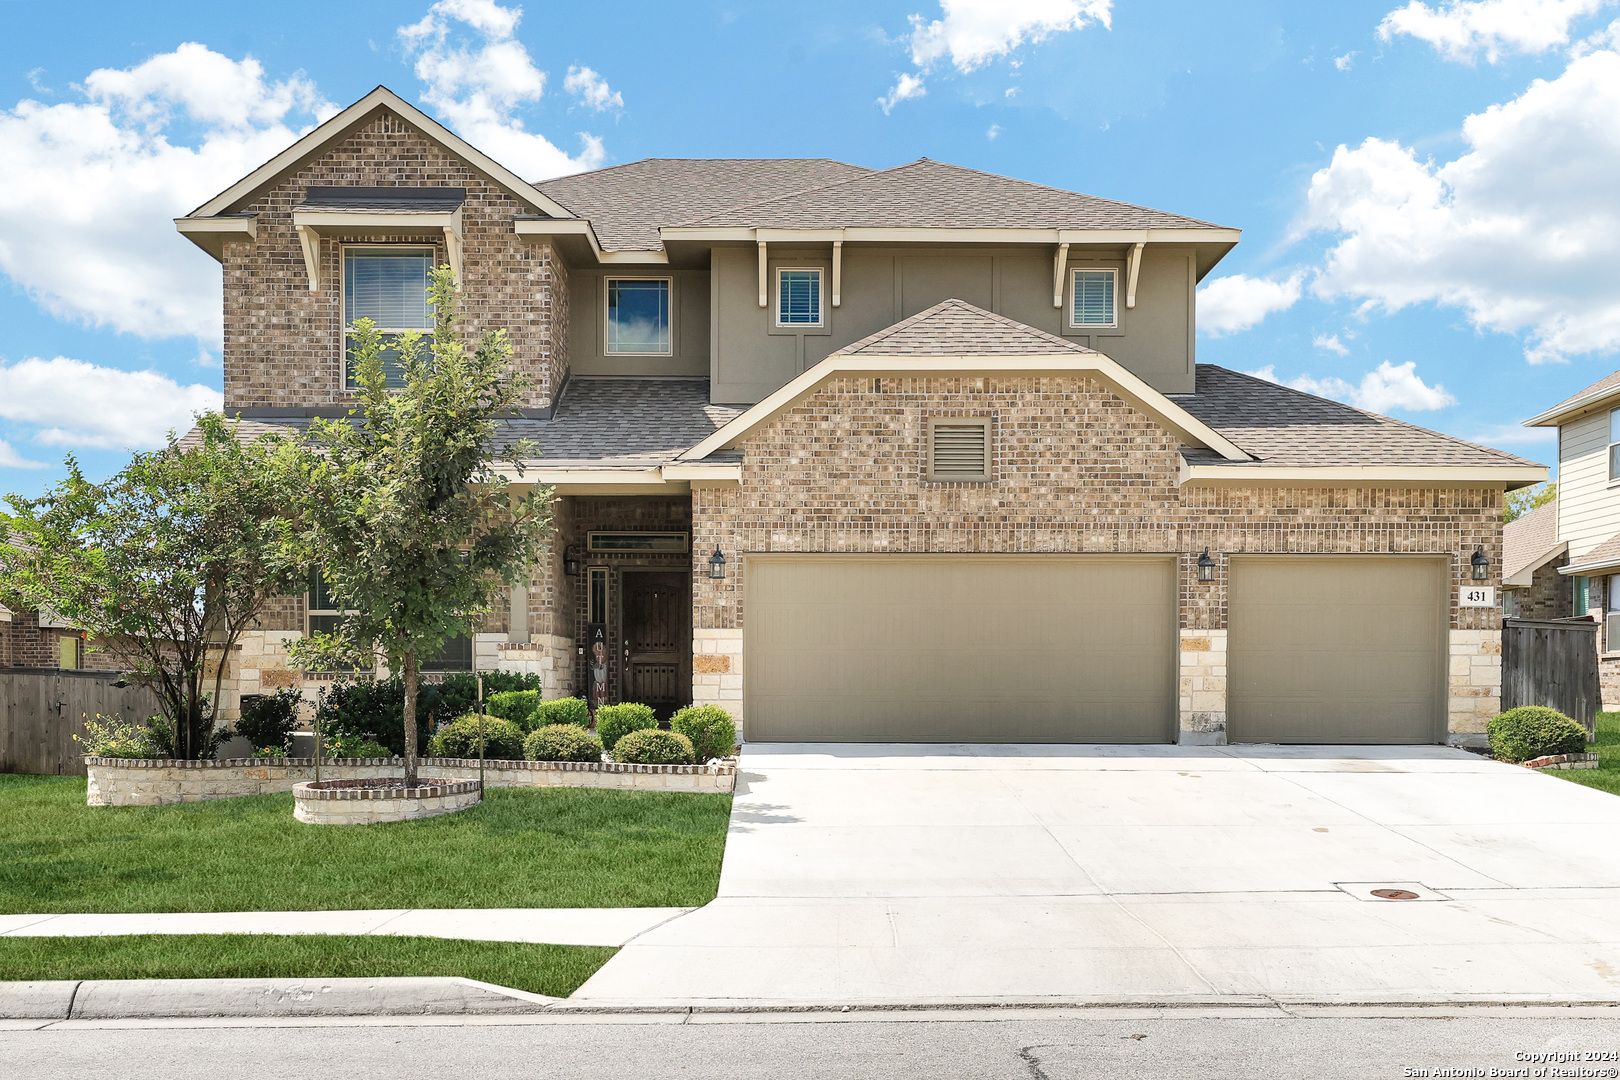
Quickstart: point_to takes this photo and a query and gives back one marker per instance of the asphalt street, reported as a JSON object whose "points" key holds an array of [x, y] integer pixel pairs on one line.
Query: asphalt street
{"points": [[979, 1045]]}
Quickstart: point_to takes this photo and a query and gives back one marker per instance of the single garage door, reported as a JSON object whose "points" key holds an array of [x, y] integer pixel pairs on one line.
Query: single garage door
{"points": [[959, 648], [1336, 649]]}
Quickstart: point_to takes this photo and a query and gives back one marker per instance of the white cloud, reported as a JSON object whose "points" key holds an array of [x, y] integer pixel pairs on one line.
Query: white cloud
{"points": [[74, 403], [972, 33], [592, 89], [1388, 387], [1238, 301], [995, 129], [1522, 232], [1345, 62], [89, 188], [10, 459], [1462, 29], [1331, 343], [908, 86], [478, 88]]}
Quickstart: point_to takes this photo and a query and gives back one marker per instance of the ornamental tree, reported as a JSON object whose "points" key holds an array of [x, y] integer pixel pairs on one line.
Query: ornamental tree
{"points": [[401, 504], [165, 564]]}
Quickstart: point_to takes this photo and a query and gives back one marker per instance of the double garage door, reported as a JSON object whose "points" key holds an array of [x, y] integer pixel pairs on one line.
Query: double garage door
{"points": [[1081, 648]]}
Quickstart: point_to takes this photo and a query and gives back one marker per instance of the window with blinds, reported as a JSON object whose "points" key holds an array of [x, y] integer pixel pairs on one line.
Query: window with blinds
{"points": [[959, 449], [1093, 298], [387, 285], [798, 297]]}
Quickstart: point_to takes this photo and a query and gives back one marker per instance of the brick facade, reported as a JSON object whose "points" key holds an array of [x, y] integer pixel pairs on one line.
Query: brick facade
{"points": [[1549, 594]]}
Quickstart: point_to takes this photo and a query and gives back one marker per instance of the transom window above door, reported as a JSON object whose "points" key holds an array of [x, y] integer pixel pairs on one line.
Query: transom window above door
{"points": [[638, 316], [798, 297], [389, 286], [1093, 299]]}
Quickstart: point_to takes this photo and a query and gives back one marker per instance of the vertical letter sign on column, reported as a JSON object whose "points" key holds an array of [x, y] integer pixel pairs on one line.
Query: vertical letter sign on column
{"points": [[597, 654]]}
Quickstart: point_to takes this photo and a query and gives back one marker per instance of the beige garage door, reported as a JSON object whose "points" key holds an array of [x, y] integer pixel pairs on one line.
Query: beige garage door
{"points": [[1330, 649], [959, 648]]}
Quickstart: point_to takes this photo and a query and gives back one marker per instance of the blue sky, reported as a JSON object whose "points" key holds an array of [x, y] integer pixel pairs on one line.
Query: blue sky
{"points": [[1427, 192]]}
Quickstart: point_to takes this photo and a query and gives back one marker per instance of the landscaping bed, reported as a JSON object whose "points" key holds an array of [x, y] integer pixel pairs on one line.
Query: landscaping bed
{"points": [[521, 847], [1606, 777], [554, 970]]}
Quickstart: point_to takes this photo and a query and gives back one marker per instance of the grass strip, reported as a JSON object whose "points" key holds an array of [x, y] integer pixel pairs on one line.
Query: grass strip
{"points": [[555, 970], [523, 847], [1606, 777]]}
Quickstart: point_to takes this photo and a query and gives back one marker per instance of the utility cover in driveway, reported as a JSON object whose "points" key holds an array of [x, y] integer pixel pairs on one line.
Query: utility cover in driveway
{"points": [[959, 648], [1336, 649]]}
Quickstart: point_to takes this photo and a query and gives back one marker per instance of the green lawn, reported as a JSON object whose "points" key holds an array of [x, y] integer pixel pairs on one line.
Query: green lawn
{"points": [[551, 847], [1606, 777], [557, 970]]}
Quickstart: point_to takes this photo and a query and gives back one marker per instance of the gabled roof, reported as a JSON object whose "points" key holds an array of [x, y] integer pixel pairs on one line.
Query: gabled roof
{"points": [[342, 126], [933, 194], [956, 338], [1284, 427], [1529, 543], [957, 328], [627, 203], [1601, 392]]}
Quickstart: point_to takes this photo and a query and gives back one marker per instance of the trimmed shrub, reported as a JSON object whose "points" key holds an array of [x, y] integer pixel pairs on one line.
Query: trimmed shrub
{"points": [[267, 720], [614, 722], [562, 742], [457, 693], [568, 710], [1531, 731], [515, 705], [353, 746], [650, 746], [710, 728], [503, 740], [375, 710]]}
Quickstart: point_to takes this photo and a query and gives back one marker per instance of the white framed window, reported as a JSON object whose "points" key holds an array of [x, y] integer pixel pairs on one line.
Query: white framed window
{"points": [[1091, 298], [671, 542], [597, 600], [959, 449], [798, 296], [1614, 444], [638, 317], [388, 284], [321, 613]]}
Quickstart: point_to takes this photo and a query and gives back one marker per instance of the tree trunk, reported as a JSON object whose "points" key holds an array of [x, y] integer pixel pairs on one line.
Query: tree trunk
{"points": [[410, 717]]}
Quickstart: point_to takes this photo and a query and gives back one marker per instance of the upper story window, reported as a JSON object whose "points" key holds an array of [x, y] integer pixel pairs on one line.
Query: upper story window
{"points": [[1614, 444], [1093, 298], [798, 297], [638, 316], [387, 285]]}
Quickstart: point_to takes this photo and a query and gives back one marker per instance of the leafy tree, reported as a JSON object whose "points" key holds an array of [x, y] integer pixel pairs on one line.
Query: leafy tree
{"points": [[165, 565], [401, 503], [1518, 503]]}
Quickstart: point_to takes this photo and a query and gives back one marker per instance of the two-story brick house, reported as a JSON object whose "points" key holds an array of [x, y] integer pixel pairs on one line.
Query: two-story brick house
{"points": [[918, 453], [1563, 558]]}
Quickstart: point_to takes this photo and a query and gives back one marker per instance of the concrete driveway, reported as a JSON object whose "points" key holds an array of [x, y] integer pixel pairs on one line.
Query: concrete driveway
{"points": [[958, 874]]}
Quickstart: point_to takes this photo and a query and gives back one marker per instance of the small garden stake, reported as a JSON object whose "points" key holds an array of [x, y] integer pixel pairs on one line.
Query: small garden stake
{"points": [[480, 736], [320, 707]]}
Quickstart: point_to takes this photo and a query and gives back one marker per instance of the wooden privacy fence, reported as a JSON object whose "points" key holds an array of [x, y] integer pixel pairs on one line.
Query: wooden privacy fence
{"points": [[1552, 662], [41, 709]]}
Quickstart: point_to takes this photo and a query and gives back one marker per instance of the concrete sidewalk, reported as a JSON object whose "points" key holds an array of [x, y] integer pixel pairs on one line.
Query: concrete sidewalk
{"points": [[540, 926], [870, 875]]}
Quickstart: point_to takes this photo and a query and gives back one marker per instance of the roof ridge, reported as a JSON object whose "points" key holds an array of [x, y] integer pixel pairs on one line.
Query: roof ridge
{"points": [[867, 175], [1369, 413], [957, 303]]}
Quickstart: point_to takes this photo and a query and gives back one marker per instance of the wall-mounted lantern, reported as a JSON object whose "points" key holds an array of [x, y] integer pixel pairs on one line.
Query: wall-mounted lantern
{"points": [[1206, 567], [1481, 564], [717, 564], [571, 560]]}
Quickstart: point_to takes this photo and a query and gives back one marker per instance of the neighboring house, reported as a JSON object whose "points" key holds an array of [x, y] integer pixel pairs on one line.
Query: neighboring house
{"points": [[1572, 547], [919, 453]]}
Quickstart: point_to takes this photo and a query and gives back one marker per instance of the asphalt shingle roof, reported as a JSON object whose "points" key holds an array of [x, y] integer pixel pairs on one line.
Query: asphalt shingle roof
{"points": [[1608, 382], [933, 194], [1527, 539], [958, 328], [627, 203], [1286, 427], [1606, 553]]}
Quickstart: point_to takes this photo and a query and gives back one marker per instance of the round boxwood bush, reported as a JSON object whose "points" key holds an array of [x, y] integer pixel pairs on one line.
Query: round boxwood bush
{"points": [[503, 740], [614, 722], [562, 742], [712, 730], [568, 710], [515, 705], [650, 746], [1531, 731]]}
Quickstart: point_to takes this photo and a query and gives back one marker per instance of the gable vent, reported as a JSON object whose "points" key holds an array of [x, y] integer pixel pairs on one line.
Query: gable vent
{"points": [[959, 449]]}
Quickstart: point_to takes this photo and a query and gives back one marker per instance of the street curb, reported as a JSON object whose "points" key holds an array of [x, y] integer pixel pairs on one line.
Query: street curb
{"points": [[152, 999]]}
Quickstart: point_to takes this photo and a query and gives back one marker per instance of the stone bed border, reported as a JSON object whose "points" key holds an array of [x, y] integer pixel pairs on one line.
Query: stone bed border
{"points": [[385, 799], [163, 781], [1563, 761]]}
